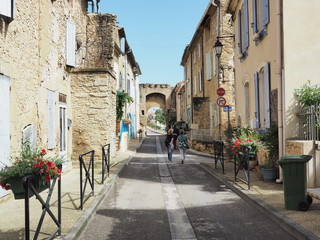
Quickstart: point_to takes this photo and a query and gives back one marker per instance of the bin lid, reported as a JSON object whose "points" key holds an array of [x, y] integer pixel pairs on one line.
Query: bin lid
{"points": [[294, 159]]}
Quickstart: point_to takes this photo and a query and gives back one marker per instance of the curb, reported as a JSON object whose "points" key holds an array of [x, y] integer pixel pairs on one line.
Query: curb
{"points": [[287, 224]]}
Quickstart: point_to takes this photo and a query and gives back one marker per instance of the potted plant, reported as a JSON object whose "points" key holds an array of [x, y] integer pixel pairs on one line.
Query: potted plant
{"points": [[30, 162], [246, 137], [269, 168]]}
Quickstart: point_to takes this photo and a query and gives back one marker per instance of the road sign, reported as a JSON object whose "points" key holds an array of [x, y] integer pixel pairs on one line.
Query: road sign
{"points": [[221, 101], [221, 92], [227, 108]]}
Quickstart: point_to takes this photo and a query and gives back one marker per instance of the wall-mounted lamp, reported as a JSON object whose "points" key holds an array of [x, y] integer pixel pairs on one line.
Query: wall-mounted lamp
{"points": [[218, 48]]}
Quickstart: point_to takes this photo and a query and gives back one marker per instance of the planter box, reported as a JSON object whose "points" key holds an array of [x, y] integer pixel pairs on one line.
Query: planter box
{"points": [[269, 174]]}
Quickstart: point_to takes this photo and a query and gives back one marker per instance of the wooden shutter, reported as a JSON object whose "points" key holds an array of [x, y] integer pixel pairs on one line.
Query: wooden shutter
{"points": [[239, 32], [51, 128], [265, 12], [6, 8], [71, 44], [266, 87], [4, 124], [254, 16], [257, 100], [208, 66], [246, 24], [200, 81]]}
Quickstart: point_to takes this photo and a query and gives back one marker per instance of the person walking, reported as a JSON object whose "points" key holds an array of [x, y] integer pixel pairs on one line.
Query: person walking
{"points": [[175, 135], [183, 143], [169, 143]]}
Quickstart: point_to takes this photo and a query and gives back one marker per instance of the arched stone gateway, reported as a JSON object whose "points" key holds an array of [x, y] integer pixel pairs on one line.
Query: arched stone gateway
{"points": [[155, 95]]}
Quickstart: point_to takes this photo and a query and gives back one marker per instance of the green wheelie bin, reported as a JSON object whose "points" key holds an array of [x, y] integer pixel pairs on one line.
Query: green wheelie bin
{"points": [[295, 182]]}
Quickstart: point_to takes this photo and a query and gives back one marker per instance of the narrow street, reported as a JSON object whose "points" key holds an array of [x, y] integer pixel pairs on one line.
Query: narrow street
{"points": [[157, 199]]}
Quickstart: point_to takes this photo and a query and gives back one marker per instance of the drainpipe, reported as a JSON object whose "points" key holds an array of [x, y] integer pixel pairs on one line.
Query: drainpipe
{"points": [[218, 73], [281, 85]]}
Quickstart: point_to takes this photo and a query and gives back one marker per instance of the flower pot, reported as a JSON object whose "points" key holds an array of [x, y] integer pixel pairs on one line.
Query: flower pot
{"points": [[253, 164], [16, 186], [269, 174]]}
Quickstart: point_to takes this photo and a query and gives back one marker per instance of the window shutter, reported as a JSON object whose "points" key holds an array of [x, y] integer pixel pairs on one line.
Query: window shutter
{"points": [[4, 124], [29, 135], [267, 94], [254, 16], [6, 8], [246, 24], [51, 128], [257, 100], [208, 66], [265, 12], [71, 44], [239, 32], [200, 81]]}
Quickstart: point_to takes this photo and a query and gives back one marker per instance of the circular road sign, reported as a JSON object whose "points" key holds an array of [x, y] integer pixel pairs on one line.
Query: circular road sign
{"points": [[221, 101], [221, 92]]}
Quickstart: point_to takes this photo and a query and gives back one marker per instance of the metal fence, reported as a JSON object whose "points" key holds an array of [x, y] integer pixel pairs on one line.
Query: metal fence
{"points": [[309, 123]]}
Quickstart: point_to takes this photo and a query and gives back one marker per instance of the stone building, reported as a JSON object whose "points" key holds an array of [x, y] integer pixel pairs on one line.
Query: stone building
{"points": [[57, 78], [205, 72]]}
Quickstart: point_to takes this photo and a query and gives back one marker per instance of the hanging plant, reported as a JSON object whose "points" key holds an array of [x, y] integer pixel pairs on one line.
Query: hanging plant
{"points": [[122, 99]]}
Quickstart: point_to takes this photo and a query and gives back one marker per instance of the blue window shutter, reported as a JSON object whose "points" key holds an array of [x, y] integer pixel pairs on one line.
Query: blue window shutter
{"points": [[267, 94], [254, 16], [239, 32], [257, 100], [265, 12], [246, 23]]}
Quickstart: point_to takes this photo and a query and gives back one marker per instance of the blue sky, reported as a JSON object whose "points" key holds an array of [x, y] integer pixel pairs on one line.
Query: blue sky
{"points": [[157, 32]]}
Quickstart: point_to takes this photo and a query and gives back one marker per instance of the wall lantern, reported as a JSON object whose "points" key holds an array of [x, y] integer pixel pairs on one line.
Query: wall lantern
{"points": [[218, 48]]}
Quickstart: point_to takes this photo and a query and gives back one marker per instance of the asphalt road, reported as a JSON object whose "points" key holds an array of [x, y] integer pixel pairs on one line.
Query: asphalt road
{"points": [[155, 199]]}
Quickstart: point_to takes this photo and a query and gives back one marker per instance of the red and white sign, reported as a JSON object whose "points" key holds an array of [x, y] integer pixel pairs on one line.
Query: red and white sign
{"points": [[221, 92], [221, 101]]}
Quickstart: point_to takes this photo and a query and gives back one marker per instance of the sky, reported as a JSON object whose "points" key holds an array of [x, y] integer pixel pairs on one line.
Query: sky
{"points": [[158, 32]]}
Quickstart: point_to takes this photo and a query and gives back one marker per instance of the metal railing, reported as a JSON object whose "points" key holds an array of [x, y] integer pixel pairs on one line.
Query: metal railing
{"points": [[218, 148], [28, 185], [105, 161], [88, 177], [241, 164], [309, 123]]}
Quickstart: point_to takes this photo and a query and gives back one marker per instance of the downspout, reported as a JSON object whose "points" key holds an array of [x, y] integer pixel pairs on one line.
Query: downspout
{"points": [[281, 85], [218, 73], [191, 86]]}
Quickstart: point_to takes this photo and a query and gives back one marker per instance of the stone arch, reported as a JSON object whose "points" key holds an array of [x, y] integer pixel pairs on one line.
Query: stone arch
{"points": [[155, 95]]}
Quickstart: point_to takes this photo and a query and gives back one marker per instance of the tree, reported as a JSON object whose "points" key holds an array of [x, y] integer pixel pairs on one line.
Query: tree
{"points": [[160, 116], [171, 116]]}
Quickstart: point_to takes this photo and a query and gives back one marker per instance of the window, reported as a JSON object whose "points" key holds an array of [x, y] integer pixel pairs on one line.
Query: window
{"points": [[142, 112], [262, 97], [51, 127], [62, 129], [261, 18], [6, 10], [246, 103], [121, 80], [195, 84], [208, 66], [71, 44], [243, 30]]}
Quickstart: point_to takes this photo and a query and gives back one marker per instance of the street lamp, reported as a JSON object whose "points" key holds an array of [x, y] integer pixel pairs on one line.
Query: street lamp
{"points": [[218, 48]]}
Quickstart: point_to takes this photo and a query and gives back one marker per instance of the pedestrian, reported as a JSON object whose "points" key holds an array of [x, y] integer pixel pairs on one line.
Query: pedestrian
{"points": [[169, 143], [175, 134], [184, 144]]}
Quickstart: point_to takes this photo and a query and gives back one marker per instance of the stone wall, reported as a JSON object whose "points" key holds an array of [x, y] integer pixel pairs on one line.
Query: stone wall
{"points": [[94, 116]]}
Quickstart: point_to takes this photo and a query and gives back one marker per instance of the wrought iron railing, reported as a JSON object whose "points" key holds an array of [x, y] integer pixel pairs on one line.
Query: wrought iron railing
{"points": [[309, 123], [88, 177], [241, 165], [105, 161], [218, 148]]}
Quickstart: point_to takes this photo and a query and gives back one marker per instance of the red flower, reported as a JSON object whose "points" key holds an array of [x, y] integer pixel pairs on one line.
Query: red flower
{"points": [[50, 164], [43, 152], [48, 179]]}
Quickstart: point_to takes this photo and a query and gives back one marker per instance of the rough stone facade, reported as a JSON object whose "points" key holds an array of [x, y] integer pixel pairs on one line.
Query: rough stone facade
{"points": [[93, 104]]}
